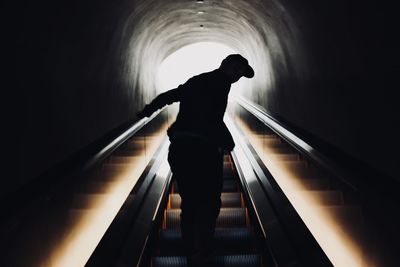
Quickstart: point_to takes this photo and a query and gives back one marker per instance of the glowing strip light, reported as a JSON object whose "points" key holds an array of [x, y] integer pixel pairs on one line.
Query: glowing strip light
{"points": [[329, 233], [90, 223], [263, 118]]}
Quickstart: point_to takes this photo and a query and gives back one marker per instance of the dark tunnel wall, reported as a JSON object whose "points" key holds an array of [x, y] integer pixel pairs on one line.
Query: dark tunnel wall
{"points": [[85, 68], [69, 65], [347, 97]]}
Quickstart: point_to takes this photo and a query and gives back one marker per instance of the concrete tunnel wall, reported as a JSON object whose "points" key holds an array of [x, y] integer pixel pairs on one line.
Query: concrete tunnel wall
{"points": [[85, 68]]}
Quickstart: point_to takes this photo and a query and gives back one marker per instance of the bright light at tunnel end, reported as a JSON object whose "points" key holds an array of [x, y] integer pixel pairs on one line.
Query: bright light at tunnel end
{"points": [[189, 61]]}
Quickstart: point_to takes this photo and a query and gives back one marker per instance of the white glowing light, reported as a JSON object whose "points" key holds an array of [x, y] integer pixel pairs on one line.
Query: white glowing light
{"points": [[189, 61]]}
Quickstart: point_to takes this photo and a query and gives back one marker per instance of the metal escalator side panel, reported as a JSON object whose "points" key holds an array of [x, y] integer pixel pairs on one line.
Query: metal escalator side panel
{"points": [[268, 207], [138, 215]]}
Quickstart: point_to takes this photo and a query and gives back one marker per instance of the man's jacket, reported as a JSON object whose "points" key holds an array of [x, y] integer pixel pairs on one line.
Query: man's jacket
{"points": [[203, 100]]}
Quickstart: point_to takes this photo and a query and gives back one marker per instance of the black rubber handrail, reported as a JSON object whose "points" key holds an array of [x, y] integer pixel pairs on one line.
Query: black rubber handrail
{"points": [[62, 175], [301, 146], [113, 145]]}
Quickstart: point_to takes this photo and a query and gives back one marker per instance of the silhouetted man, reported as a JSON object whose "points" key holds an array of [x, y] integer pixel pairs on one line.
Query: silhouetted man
{"points": [[199, 138]]}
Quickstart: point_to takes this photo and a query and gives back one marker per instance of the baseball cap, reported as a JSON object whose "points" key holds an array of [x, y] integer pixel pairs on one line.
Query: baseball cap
{"points": [[247, 72]]}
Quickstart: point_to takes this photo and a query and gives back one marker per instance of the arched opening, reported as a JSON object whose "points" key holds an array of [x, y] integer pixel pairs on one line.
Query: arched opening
{"points": [[189, 61]]}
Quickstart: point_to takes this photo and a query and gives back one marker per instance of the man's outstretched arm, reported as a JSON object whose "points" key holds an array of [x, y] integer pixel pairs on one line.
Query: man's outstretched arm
{"points": [[160, 101]]}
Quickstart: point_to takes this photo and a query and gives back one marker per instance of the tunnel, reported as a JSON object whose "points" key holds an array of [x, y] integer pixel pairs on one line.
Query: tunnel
{"points": [[325, 82]]}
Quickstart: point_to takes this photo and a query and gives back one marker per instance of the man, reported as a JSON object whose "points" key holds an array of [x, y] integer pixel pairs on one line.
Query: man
{"points": [[199, 138]]}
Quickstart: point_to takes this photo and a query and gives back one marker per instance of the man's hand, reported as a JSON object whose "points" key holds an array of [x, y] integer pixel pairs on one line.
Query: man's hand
{"points": [[144, 113]]}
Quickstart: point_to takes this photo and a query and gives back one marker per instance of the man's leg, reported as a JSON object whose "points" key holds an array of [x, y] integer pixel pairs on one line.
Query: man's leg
{"points": [[198, 171], [183, 167], [208, 208]]}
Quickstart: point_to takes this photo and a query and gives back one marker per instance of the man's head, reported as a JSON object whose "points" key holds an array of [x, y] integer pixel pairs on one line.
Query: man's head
{"points": [[235, 66]]}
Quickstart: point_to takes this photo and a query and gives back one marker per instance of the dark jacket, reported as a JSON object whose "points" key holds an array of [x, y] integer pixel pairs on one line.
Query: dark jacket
{"points": [[203, 100]]}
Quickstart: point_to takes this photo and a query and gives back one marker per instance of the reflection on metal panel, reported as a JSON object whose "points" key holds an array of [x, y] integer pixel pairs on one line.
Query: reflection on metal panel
{"points": [[321, 211], [89, 222]]}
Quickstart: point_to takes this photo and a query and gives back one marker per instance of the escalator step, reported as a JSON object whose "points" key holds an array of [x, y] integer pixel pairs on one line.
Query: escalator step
{"points": [[228, 186], [228, 171], [228, 165], [227, 241], [228, 217], [227, 158], [226, 261], [227, 199], [228, 175]]}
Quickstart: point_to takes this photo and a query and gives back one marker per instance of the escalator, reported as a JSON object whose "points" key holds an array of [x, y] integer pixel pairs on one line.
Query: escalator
{"points": [[235, 242], [123, 210], [254, 227]]}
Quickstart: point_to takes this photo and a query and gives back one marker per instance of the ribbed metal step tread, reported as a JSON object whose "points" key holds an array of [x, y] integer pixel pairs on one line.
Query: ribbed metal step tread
{"points": [[228, 171], [227, 241], [228, 186], [228, 217], [228, 175], [225, 261], [227, 200]]}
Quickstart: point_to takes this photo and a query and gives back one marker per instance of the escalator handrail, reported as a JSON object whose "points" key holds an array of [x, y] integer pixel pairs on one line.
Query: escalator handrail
{"points": [[113, 145], [301, 146], [42, 188]]}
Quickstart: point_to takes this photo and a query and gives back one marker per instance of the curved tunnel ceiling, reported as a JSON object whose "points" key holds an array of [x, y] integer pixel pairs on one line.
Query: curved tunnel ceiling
{"points": [[256, 29]]}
